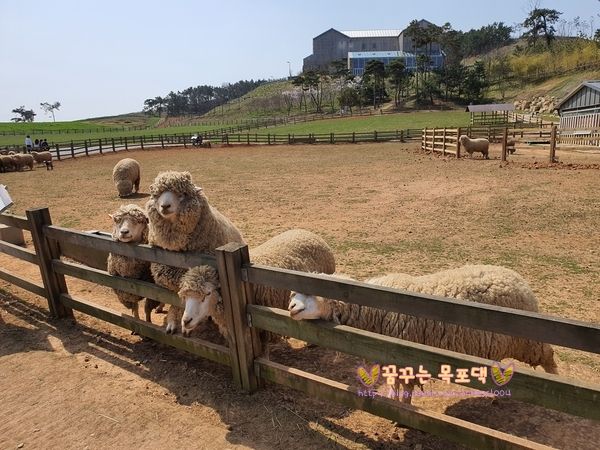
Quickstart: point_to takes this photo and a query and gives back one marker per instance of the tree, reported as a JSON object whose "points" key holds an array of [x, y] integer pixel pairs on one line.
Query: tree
{"points": [[399, 77], [374, 76], [475, 82], [540, 22], [349, 97], [25, 115], [50, 108]]}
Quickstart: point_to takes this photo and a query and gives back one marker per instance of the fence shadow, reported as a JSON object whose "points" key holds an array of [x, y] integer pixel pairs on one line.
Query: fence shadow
{"points": [[192, 380]]}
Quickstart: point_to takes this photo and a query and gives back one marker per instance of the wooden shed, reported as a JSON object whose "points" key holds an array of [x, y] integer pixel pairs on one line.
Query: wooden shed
{"points": [[581, 108], [494, 113]]}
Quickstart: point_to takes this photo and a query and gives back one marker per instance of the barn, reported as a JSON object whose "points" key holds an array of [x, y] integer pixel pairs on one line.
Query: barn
{"points": [[581, 108]]}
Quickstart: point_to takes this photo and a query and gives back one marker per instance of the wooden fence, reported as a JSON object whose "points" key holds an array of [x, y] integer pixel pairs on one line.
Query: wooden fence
{"points": [[87, 147], [244, 355]]}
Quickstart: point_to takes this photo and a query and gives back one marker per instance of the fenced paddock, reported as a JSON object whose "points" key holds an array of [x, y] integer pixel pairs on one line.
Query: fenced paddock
{"points": [[244, 354]]}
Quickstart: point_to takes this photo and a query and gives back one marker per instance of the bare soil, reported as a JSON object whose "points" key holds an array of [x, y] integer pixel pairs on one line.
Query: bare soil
{"points": [[383, 208]]}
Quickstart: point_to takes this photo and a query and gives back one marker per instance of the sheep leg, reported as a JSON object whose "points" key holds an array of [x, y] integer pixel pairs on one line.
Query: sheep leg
{"points": [[137, 185], [136, 314], [173, 318]]}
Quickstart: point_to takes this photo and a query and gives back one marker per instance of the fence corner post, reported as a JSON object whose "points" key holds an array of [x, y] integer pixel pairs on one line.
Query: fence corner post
{"points": [[244, 341], [458, 133], [553, 144], [47, 250], [504, 144]]}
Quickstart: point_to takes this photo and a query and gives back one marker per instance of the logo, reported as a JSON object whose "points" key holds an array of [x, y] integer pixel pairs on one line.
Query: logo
{"points": [[368, 379], [501, 374]]}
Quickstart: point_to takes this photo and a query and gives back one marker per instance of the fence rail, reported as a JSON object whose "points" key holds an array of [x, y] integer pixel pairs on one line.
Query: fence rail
{"points": [[238, 276]]}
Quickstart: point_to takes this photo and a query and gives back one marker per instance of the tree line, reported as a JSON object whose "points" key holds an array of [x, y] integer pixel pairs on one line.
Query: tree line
{"points": [[199, 99]]}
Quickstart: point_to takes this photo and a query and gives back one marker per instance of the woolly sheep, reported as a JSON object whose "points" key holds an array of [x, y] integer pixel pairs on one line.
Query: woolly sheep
{"points": [[480, 145], [7, 162], [293, 250], [130, 224], [41, 157], [126, 176], [181, 219], [22, 160], [491, 285]]}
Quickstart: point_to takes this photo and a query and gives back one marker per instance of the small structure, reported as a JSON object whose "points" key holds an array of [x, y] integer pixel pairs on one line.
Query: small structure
{"points": [[581, 108], [495, 113]]}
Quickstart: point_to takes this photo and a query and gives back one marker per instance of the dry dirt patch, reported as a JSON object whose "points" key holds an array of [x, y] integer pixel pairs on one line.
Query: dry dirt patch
{"points": [[383, 207]]}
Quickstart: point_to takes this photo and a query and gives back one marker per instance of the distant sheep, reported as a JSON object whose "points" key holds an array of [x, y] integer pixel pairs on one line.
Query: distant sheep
{"points": [[7, 163], [43, 157], [126, 176], [471, 146], [23, 160]]}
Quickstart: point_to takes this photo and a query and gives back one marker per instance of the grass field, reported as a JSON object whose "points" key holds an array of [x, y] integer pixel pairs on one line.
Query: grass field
{"points": [[383, 208]]}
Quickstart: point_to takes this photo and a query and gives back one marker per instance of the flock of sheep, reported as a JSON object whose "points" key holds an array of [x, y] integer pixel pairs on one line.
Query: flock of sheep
{"points": [[16, 162], [178, 217]]}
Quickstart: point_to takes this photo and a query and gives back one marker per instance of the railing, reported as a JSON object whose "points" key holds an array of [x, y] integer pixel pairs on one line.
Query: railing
{"points": [[244, 319]]}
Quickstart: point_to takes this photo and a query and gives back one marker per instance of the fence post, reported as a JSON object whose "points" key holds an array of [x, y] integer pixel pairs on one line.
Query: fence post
{"points": [[47, 250], [72, 150], [504, 144], [424, 139], [245, 343], [57, 152], [458, 133], [162, 141], [100, 145], [331, 140], [354, 137], [142, 141], [553, 144], [444, 142], [113, 144], [126, 147], [375, 135], [86, 148]]}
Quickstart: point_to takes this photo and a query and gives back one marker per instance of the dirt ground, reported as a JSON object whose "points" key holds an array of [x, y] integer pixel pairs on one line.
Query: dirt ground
{"points": [[383, 208]]}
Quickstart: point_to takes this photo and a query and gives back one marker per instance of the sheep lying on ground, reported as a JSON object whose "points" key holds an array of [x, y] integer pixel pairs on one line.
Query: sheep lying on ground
{"points": [[23, 160], [492, 285], [130, 224], [43, 158], [294, 250], [126, 176], [181, 219], [480, 145]]}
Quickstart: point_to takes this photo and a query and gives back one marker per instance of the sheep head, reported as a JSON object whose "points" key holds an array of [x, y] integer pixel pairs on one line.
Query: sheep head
{"points": [[305, 307], [124, 188], [173, 194], [130, 224], [199, 292]]}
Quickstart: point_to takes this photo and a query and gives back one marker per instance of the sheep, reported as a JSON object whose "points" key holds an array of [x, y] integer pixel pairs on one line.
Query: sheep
{"points": [[293, 250], [181, 219], [480, 145], [7, 162], [41, 157], [492, 285], [130, 224], [22, 160], [126, 176]]}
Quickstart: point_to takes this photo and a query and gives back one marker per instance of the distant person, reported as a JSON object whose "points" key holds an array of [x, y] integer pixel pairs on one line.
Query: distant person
{"points": [[44, 145], [36, 144], [28, 144]]}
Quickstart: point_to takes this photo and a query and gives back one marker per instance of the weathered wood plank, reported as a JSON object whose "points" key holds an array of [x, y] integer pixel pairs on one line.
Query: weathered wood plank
{"points": [[138, 287], [456, 430], [23, 283], [47, 251], [528, 385], [199, 347], [15, 221], [19, 252], [539, 327], [89, 256], [145, 252]]}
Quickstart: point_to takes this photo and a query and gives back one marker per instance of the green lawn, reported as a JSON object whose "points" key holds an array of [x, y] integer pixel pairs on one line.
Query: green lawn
{"points": [[388, 122]]}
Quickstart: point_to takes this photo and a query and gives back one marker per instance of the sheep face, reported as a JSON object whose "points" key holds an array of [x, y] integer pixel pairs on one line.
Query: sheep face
{"points": [[168, 204], [198, 306], [304, 307], [126, 229], [124, 187]]}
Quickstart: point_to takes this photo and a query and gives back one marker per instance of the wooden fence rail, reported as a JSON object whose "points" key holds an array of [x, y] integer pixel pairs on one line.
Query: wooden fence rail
{"points": [[245, 319]]}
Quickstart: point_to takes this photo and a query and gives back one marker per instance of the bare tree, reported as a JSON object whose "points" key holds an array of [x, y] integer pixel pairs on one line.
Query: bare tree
{"points": [[49, 108]]}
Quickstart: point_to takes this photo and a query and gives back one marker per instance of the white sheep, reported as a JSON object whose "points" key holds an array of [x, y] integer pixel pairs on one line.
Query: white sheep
{"points": [[181, 219], [126, 176], [293, 250], [480, 145], [491, 285], [130, 224], [23, 160]]}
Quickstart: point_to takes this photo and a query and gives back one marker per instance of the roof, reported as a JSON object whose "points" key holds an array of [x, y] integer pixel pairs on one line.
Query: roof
{"points": [[592, 84], [491, 107], [372, 33], [388, 54]]}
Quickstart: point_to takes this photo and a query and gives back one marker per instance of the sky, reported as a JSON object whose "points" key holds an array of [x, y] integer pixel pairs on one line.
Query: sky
{"points": [[101, 58]]}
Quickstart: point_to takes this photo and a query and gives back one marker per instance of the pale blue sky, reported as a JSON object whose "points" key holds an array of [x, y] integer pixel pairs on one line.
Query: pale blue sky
{"points": [[106, 57]]}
